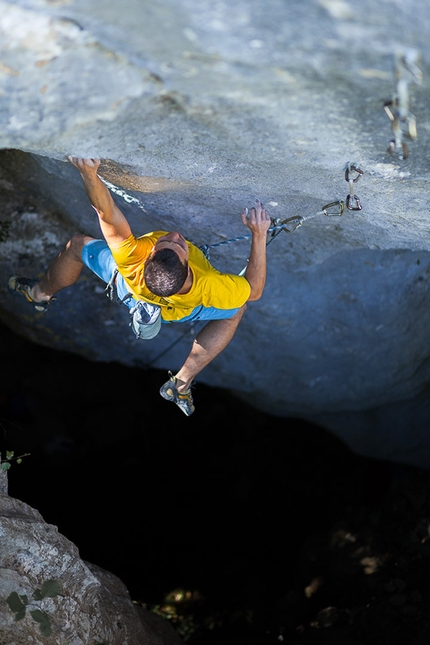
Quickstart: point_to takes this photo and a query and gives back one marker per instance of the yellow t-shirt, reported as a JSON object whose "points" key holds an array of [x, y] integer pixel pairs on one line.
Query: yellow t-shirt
{"points": [[210, 288]]}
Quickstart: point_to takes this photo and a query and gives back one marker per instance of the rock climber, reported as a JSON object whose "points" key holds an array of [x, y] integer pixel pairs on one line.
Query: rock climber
{"points": [[160, 276]]}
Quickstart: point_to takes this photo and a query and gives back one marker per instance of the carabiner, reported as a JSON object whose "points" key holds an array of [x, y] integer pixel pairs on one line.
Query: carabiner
{"points": [[353, 167], [400, 151], [353, 203], [338, 207], [296, 221]]}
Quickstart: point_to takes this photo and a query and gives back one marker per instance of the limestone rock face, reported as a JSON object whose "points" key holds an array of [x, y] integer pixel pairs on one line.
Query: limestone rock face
{"points": [[196, 111], [91, 606]]}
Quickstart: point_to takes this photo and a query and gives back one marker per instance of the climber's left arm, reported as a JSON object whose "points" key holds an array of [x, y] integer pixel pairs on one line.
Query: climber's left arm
{"points": [[258, 221]]}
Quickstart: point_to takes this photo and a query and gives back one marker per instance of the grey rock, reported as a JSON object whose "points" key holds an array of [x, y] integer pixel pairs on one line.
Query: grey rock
{"points": [[92, 606], [198, 110]]}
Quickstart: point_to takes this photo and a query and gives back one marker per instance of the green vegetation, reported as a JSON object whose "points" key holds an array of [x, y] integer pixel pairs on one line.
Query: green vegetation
{"points": [[10, 456], [18, 604]]}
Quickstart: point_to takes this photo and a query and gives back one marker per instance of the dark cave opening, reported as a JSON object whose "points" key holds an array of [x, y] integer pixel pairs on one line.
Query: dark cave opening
{"points": [[218, 504]]}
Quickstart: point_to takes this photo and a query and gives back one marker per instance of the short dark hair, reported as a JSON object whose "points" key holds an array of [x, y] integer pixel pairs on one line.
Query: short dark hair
{"points": [[165, 273]]}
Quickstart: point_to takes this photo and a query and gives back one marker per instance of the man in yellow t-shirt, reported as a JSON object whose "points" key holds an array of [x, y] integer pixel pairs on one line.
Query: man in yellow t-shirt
{"points": [[161, 277]]}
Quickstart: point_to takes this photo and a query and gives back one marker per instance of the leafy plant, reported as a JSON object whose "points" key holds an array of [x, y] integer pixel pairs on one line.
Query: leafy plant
{"points": [[43, 619], [6, 463], [49, 589], [18, 604]]}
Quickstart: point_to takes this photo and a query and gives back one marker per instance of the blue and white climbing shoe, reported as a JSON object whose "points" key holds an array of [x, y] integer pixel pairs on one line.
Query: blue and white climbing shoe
{"points": [[183, 400], [22, 287]]}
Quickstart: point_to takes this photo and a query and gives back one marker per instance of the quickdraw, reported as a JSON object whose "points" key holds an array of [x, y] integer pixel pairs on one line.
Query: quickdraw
{"points": [[289, 225], [352, 200]]}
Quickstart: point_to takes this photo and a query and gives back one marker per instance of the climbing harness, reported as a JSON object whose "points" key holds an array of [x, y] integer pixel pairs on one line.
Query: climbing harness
{"points": [[352, 200], [397, 110]]}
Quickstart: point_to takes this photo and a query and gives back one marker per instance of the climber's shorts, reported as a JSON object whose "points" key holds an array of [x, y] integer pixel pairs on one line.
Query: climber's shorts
{"points": [[97, 256]]}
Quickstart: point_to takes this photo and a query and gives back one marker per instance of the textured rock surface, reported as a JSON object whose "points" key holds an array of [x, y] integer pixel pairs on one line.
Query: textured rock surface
{"points": [[93, 605], [199, 110]]}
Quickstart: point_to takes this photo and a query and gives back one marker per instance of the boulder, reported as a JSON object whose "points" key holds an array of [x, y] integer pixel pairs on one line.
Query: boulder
{"points": [[49, 595], [197, 111]]}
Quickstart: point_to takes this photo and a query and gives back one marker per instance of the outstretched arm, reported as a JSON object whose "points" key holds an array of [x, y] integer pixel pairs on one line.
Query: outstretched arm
{"points": [[113, 223], [216, 334], [258, 220]]}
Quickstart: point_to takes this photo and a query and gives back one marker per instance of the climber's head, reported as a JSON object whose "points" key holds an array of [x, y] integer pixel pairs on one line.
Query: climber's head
{"points": [[166, 269]]}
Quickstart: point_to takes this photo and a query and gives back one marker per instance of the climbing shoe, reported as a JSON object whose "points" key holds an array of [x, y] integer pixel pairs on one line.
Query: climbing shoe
{"points": [[183, 400], [22, 287]]}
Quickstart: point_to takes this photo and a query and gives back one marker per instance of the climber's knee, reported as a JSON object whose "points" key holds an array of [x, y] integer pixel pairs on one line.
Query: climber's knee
{"points": [[75, 245]]}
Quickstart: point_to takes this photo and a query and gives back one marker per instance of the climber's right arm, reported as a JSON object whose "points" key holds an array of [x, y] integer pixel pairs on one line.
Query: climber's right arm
{"points": [[113, 223]]}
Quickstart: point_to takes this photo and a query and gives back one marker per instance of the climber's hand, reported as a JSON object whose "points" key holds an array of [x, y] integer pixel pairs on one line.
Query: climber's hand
{"points": [[85, 166], [257, 219]]}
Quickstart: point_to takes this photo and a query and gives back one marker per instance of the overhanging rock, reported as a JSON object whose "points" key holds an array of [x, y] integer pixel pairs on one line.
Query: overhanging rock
{"points": [[197, 111]]}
